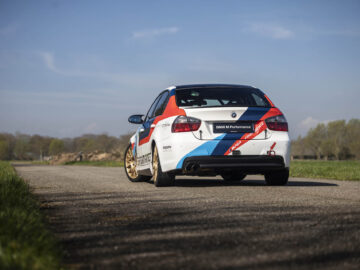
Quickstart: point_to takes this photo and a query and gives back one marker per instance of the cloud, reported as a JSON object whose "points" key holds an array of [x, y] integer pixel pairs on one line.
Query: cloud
{"points": [[125, 79], [310, 122], [151, 33], [48, 59], [273, 31], [91, 128]]}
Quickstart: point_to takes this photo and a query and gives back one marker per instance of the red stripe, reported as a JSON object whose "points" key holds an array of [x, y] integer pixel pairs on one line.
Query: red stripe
{"points": [[171, 110], [272, 147], [260, 126], [268, 99]]}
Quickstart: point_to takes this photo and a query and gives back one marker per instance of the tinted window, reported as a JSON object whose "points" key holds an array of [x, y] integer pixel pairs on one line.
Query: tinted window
{"points": [[221, 97], [160, 107], [152, 108]]}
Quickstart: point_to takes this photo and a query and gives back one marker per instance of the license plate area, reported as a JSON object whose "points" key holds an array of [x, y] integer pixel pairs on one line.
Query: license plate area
{"points": [[242, 127]]}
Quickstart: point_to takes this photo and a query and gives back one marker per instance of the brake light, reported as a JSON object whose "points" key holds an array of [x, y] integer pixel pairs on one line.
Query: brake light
{"points": [[277, 123], [185, 124]]}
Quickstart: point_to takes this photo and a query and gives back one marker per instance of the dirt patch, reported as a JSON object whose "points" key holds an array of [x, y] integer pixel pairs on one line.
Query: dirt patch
{"points": [[92, 156]]}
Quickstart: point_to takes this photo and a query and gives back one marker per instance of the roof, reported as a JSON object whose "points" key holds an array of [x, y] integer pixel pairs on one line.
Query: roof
{"points": [[189, 86]]}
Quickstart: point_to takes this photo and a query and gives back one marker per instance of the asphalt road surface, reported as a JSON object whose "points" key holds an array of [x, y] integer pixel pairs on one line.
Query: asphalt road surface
{"points": [[104, 221]]}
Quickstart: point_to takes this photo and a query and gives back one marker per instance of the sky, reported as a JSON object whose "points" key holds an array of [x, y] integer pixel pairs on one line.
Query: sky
{"points": [[73, 67]]}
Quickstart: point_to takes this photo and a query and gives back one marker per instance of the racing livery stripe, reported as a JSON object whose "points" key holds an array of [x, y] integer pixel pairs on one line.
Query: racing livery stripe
{"points": [[203, 150], [251, 114], [260, 126], [268, 99], [171, 110]]}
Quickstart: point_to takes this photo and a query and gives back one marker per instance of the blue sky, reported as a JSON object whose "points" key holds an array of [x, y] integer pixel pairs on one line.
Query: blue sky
{"points": [[74, 67]]}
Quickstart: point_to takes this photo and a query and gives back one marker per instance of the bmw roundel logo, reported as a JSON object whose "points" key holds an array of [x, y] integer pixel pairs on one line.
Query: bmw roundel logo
{"points": [[233, 115]]}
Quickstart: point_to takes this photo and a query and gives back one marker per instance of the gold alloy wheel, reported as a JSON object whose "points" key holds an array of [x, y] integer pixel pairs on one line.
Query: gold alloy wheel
{"points": [[130, 164], [155, 164]]}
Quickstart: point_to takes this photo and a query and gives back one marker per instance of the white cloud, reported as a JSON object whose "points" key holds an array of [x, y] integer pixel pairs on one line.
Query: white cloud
{"points": [[91, 128], [125, 79], [270, 30], [48, 59], [310, 122], [151, 33]]}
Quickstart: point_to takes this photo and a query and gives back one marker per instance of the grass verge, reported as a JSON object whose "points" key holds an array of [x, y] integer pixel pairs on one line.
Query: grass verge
{"points": [[339, 170], [25, 242], [109, 163]]}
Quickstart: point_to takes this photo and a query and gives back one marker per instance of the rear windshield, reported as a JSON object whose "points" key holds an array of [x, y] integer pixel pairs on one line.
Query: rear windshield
{"points": [[221, 97]]}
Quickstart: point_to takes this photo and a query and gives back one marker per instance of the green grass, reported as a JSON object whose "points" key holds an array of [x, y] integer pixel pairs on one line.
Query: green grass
{"points": [[108, 163], [340, 170], [25, 242]]}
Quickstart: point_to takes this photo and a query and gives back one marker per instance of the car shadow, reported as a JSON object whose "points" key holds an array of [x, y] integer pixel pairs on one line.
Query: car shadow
{"points": [[215, 182]]}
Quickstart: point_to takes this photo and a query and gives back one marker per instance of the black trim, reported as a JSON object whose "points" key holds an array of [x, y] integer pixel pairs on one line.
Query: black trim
{"points": [[246, 163], [189, 86]]}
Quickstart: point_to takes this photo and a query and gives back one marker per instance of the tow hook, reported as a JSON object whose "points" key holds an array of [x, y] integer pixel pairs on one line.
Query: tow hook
{"points": [[271, 152]]}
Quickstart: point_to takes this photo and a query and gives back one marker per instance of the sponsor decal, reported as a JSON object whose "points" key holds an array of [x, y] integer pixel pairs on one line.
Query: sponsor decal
{"points": [[143, 160], [167, 148]]}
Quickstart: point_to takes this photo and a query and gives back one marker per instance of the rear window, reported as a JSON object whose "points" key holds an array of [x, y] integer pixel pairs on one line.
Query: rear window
{"points": [[221, 97]]}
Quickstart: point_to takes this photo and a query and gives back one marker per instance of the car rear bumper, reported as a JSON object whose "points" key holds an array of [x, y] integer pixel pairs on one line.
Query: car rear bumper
{"points": [[244, 163]]}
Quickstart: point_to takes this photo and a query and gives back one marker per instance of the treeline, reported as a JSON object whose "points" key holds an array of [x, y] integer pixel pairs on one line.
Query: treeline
{"points": [[27, 147], [334, 140]]}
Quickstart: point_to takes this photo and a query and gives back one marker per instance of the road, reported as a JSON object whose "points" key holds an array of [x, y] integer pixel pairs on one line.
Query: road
{"points": [[104, 221]]}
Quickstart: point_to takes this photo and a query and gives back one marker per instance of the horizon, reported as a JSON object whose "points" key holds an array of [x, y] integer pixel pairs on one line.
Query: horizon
{"points": [[73, 68]]}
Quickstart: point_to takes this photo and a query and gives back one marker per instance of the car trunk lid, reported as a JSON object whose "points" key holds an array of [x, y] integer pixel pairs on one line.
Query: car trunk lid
{"points": [[233, 122]]}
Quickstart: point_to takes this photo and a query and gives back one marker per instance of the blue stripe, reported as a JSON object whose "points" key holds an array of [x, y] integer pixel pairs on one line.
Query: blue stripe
{"points": [[203, 150], [251, 114]]}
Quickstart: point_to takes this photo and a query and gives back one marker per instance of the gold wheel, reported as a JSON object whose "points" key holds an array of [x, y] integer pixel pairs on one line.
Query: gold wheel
{"points": [[130, 164], [155, 164]]}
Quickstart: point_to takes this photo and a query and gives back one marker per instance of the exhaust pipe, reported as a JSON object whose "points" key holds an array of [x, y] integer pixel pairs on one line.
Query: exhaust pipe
{"points": [[192, 167]]}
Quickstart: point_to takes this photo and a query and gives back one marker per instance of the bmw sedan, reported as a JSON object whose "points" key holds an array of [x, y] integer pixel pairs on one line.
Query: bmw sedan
{"points": [[209, 130]]}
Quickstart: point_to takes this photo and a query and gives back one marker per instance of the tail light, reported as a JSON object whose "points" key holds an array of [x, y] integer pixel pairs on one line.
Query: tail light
{"points": [[185, 124], [277, 123]]}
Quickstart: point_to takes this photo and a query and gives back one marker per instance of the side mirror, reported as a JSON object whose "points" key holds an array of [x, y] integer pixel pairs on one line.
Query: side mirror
{"points": [[136, 119]]}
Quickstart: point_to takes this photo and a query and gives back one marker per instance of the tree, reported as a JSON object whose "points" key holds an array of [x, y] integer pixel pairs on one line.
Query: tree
{"points": [[39, 145], [314, 138], [56, 147], [4, 150], [353, 137], [337, 138]]}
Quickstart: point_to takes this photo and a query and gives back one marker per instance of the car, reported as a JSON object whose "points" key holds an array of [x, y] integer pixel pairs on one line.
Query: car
{"points": [[209, 130]]}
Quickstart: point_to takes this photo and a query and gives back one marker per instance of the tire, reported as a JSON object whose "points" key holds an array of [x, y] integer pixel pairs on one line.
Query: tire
{"points": [[161, 179], [130, 167], [233, 176], [279, 178]]}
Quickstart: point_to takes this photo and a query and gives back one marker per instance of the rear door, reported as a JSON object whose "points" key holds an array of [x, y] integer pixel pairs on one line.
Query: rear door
{"points": [[143, 156], [149, 125]]}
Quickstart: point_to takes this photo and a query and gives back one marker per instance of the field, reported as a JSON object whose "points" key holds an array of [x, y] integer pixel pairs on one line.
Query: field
{"points": [[339, 170], [25, 243]]}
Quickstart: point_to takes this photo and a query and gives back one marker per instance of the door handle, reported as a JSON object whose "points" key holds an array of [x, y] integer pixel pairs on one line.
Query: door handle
{"points": [[152, 126], [141, 130]]}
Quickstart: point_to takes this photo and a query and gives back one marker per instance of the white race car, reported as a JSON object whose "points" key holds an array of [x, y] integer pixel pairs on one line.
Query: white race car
{"points": [[209, 130]]}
